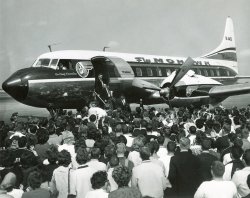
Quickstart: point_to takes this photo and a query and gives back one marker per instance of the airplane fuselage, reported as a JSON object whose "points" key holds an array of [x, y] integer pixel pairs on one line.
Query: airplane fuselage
{"points": [[45, 86]]}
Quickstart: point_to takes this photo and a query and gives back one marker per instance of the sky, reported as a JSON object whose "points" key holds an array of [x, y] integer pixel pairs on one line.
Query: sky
{"points": [[160, 27]]}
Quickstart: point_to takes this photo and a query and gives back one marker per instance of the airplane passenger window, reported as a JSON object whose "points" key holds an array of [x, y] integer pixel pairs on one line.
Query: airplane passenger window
{"points": [[138, 72], [149, 72], [211, 72], [44, 62], [217, 72], [159, 72], [168, 72], [205, 72], [199, 71]]}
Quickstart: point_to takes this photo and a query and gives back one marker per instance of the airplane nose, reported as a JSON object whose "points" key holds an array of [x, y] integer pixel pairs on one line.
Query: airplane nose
{"points": [[16, 88]]}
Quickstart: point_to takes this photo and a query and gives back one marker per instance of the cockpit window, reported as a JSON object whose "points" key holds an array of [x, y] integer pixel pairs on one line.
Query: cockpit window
{"points": [[44, 62], [53, 63]]}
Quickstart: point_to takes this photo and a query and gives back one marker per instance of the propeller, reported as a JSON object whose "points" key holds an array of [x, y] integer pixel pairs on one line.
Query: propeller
{"points": [[167, 91]]}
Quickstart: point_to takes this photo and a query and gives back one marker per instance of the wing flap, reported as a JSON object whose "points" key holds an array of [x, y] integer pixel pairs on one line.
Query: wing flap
{"points": [[224, 91]]}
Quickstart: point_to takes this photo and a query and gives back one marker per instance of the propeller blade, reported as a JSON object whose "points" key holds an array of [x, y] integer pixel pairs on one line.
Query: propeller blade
{"points": [[182, 71]]}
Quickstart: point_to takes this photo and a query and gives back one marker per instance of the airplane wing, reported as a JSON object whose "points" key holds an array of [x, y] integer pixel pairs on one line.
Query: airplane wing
{"points": [[224, 91], [242, 77]]}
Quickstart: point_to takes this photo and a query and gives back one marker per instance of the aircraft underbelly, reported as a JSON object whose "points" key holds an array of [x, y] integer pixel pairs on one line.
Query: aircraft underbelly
{"points": [[62, 93]]}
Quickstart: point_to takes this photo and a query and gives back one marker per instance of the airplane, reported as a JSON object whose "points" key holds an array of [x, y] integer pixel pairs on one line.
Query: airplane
{"points": [[68, 79]]}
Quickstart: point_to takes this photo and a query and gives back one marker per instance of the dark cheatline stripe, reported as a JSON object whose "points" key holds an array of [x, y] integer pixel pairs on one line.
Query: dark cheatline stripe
{"points": [[231, 56], [230, 48]]}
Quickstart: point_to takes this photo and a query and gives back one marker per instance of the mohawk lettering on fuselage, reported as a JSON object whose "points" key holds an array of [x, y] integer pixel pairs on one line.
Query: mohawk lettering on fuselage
{"points": [[167, 61]]}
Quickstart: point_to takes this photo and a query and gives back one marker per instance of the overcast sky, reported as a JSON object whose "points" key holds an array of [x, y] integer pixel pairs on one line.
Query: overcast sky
{"points": [[161, 27]]}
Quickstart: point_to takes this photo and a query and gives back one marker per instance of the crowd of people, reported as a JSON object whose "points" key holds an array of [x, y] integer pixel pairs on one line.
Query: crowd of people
{"points": [[119, 153]]}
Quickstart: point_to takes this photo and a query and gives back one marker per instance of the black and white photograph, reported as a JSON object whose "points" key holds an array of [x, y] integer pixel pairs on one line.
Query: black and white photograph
{"points": [[124, 99]]}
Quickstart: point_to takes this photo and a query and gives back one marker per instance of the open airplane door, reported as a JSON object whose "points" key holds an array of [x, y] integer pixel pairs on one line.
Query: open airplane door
{"points": [[110, 72]]}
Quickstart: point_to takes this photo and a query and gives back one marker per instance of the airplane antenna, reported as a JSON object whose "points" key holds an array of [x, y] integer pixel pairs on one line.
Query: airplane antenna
{"points": [[49, 46], [104, 48]]}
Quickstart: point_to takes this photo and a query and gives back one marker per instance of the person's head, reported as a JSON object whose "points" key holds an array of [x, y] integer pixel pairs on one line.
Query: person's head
{"points": [[217, 169], [192, 130], [153, 147], [9, 182], [114, 161], [92, 118], [236, 152], [22, 142], [34, 180], [248, 181], [244, 133], [121, 175], [64, 158], [99, 180], [145, 153], [205, 144], [184, 143], [160, 140], [95, 153], [82, 156], [42, 136], [171, 146], [138, 142], [109, 151], [120, 149], [246, 157]]}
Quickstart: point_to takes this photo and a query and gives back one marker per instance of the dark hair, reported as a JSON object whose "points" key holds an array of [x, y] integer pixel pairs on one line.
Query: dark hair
{"points": [[64, 158], [121, 175], [34, 180], [153, 147], [206, 144], [218, 168], [52, 154], [160, 140], [92, 118], [246, 157], [82, 156], [33, 129], [248, 181], [99, 179], [192, 130], [22, 142], [109, 150], [199, 123], [171, 146], [122, 139], [145, 153], [42, 136], [114, 161], [236, 152], [95, 153]]}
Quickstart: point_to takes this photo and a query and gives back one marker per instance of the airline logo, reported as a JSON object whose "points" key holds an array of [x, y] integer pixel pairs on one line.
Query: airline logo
{"points": [[83, 70], [167, 61]]}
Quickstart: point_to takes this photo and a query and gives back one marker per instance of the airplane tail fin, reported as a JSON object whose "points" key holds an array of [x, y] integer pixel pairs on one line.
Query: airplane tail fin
{"points": [[227, 48]]}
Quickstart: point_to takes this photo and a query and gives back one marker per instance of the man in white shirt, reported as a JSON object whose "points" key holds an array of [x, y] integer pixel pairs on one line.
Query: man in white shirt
{"points": [[99, 183], [94, 162], [148, 177], [217, 187], [81, 184], [240, 176]]}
